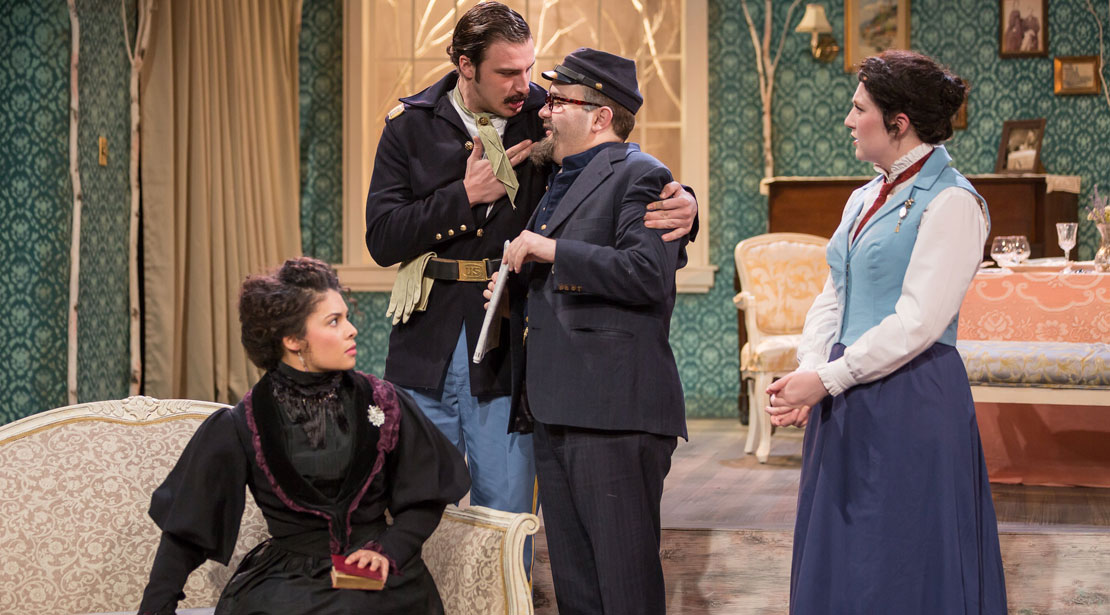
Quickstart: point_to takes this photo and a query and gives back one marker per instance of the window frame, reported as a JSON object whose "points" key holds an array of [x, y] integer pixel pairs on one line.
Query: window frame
{"points": [[361, 274]]}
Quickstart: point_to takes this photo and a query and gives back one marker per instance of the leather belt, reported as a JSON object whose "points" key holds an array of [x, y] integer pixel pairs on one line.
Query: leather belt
{"points": [[461, 271]]}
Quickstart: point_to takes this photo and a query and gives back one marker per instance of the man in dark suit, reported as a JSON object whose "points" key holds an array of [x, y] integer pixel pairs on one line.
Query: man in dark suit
{"points": [[451, 183], [597, 378]]}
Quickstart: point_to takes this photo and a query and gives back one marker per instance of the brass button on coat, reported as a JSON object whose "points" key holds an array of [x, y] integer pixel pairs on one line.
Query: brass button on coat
{"points": [[439, 236], [543, 227], [450, 232], [469, 145], [462, 227], [481, 232]]}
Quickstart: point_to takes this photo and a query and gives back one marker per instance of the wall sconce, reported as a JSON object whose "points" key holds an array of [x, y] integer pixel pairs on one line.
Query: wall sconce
{"points": [[814, 22]]}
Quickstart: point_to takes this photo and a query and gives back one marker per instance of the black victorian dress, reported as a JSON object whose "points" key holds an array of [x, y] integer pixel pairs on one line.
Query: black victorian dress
{"points": [[322, 488]]}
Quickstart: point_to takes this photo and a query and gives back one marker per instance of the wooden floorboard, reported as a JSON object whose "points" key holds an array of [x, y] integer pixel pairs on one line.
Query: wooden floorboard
{"points": [[713, 485], [727, 533]]}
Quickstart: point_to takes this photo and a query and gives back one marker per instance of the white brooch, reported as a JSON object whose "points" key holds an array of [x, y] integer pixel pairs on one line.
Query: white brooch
{"points": [[376, 416]]}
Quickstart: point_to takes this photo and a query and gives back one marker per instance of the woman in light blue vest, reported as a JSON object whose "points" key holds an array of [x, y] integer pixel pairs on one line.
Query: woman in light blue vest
{"points": [[894, 507]]}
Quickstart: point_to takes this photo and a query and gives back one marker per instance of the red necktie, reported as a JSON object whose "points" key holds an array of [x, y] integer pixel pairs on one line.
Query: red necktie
{"points": [[885, 189]]}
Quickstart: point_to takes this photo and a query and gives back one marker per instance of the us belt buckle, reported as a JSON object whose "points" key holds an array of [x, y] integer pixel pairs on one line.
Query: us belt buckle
{"points": [[472, 271]]}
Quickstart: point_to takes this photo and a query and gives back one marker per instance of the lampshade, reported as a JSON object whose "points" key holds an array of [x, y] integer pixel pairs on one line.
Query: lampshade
{"points": [[814, 21]]}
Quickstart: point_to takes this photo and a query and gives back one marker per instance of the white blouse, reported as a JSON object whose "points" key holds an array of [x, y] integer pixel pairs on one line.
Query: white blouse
{"points": [[945, 258]]}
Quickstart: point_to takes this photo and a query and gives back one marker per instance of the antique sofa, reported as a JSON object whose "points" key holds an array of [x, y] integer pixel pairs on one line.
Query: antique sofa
{"points": [[75, 484]]}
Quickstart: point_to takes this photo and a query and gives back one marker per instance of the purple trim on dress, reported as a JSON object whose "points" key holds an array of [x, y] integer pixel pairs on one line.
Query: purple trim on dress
{"points": [[386, 398], [260, 459], [376, 547]]}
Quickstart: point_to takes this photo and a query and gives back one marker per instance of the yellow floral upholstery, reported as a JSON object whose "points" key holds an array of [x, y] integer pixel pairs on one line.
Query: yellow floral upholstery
{"points": [[75, 486], [780, 275], [778, 353], [1036, 364]]}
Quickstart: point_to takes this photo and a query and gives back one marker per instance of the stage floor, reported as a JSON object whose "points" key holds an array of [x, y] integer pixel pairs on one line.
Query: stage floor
{"points": [[714, 485], [728, 521]]}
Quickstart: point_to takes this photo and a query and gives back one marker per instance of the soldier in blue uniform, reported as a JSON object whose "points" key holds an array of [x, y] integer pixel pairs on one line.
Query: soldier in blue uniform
{"points": [[451, 183]]}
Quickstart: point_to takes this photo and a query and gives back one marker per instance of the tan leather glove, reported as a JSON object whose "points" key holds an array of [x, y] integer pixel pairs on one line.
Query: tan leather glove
{"points": [[410, 290]]}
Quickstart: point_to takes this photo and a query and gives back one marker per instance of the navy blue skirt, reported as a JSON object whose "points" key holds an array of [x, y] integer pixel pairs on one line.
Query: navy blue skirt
{"points": [[894, 508]]}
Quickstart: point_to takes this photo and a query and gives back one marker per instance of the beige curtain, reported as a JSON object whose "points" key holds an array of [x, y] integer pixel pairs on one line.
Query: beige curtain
{"points": [[220, 182]]}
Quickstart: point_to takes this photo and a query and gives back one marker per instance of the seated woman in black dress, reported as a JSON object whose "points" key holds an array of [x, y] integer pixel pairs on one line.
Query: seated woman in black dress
{"points": [[325, 451]]}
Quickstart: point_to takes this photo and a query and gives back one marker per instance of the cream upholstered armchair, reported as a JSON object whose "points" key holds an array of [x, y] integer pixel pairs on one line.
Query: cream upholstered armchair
{"points": [[75, 485], [780, 275]]}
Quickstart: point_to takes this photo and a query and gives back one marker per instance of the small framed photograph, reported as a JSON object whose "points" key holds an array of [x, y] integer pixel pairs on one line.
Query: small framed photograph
{"points": [[959, 121], [1076, 75], [873, 26], [1020, 148], [1023, 28]]}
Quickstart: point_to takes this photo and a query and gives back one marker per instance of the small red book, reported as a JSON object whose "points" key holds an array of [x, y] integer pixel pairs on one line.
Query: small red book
{"points": [[350, 576]]}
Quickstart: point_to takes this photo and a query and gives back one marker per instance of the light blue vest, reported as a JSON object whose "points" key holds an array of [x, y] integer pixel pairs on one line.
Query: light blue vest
{"points": [[868, 273]]}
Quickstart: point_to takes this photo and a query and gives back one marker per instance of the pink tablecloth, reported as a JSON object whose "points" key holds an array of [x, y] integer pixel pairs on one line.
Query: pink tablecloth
{"points": [[1041, 444], [1037, 306]]}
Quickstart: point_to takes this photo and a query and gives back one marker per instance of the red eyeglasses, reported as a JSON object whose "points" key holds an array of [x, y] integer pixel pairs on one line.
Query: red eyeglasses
{"points": [[554, 99]]}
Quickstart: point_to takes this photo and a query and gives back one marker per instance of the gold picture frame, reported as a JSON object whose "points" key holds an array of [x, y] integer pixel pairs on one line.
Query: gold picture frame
{"points": [[1075, 75], [873, 26]]}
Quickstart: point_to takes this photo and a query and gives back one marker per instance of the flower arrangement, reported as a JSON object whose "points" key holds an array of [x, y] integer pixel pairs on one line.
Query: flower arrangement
{"points": [[1098, 210]]}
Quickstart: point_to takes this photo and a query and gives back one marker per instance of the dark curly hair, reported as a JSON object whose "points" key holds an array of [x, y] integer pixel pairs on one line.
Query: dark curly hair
{"points": [[483, 25], [277, 305], [911, 83]]}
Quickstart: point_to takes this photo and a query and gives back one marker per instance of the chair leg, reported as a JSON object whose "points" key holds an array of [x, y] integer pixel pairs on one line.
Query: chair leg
{"points": [[762, 428], [753, 419]]}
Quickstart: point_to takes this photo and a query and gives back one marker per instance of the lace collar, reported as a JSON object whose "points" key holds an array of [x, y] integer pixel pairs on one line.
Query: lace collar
{"points": [[905, 161]]}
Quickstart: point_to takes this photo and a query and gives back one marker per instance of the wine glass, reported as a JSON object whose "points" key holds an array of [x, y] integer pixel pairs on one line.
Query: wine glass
{"points": [[1065, 236], [1002, 250], [1021, 249]]}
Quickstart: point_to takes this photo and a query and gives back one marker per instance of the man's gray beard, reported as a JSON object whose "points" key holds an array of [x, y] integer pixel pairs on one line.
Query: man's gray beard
{"points": [[543, 152]]}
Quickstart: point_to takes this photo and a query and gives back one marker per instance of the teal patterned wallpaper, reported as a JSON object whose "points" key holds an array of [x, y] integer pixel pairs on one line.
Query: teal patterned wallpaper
{"points": [[36, 202], [321, 115], [35, 199], [104, 82]]}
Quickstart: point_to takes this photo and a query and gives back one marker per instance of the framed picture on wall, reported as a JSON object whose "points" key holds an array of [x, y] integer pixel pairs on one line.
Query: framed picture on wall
{"points": [[1076, 75], [873, 26], [1019, 151], [1022, 28]]}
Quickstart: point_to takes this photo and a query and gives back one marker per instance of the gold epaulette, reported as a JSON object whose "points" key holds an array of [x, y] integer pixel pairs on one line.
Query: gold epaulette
{"points": [[395, 111]]}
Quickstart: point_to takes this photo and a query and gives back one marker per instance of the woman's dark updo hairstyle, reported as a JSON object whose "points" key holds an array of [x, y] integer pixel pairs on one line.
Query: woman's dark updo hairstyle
{"points": [[277, 305], [914, 84]]}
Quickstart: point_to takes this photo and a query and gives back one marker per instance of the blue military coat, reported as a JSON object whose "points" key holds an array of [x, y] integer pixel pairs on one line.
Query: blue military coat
{"points": [[417, 204]]}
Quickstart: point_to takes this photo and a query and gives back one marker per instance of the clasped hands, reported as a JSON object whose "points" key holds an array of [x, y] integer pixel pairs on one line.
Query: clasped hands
{"points": [[376, 561], [793, 396]]}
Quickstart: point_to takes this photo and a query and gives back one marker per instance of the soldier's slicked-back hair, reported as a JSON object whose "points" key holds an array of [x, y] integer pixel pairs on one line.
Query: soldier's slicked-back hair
{"points": [[483, 25]]}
